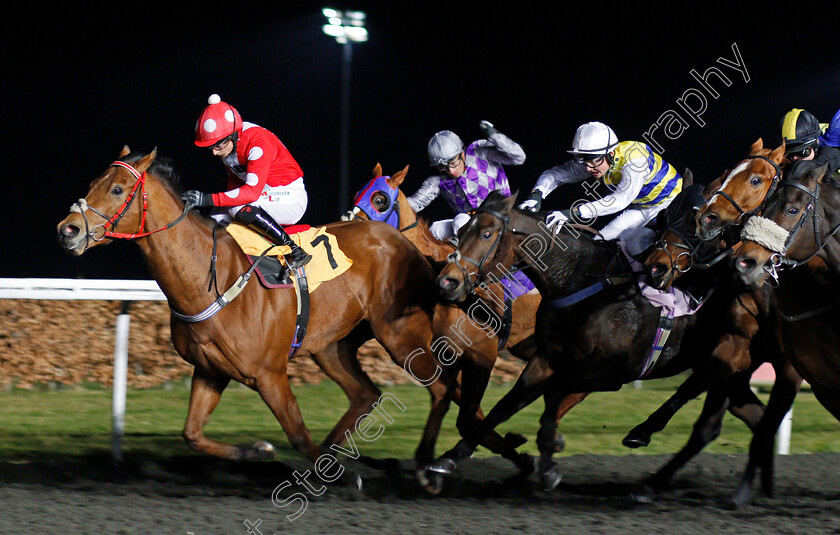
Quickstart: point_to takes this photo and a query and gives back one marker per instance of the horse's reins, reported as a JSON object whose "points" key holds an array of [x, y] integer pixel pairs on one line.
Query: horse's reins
{"points": [[455, 257], [111, 222], [812, 210], [81, 206]]}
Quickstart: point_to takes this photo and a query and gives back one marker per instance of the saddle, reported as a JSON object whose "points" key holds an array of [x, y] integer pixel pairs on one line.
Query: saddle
{"points": [[328, 260]]}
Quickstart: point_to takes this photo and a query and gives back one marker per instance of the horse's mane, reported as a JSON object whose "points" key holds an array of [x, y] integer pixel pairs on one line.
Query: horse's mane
{"points": [[163, 168]]}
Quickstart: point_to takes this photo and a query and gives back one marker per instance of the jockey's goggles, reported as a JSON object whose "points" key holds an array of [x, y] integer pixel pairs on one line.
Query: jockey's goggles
{"points": [[801, 153]]}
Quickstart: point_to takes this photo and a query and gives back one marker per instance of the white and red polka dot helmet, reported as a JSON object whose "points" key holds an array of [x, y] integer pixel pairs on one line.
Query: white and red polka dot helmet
{"points": [[217, 121]]}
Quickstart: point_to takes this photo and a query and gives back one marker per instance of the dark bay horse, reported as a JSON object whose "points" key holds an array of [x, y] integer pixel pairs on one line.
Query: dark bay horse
{"points": [[595, 330], [385, 201], [387, 293], [798, 234]]}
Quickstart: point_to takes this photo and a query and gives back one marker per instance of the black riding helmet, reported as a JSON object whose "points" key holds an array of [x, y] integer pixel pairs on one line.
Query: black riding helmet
{"points": [[800, 130]]}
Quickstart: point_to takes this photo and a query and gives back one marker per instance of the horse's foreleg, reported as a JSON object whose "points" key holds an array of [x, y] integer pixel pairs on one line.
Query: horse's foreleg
{"points": [[273, 387], [205, 394], [781, 399], [528, 387], [547, 437], [475, 376], [341, 364], [706, 429], [729, 356]]}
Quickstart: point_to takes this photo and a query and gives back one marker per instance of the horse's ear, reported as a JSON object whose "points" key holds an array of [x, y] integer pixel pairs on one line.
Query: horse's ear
{"points": [[778, 153], [713, 186], [509, 202], [146, 161], [125, 151], [688, 178], [821, 172], [377, 170], [757, 146], [397, 178]]}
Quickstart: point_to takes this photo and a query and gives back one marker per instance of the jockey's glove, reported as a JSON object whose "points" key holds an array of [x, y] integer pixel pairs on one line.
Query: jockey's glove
{"points": [[196, 198], [487, 128], [556, 219], [533, 203]]}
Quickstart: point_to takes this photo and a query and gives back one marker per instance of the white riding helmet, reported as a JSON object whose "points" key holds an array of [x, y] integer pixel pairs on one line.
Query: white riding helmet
{"points": [[443, 147], [593, 139]]}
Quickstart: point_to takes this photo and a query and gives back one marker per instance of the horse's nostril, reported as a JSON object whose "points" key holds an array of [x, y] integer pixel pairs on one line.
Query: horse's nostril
{"points": [[447, 283], [745, 264], [709, 220], [70, 231]]}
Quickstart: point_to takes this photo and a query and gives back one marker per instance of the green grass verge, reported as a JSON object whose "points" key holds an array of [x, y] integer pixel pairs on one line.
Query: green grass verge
{"points": [[77, 422]]}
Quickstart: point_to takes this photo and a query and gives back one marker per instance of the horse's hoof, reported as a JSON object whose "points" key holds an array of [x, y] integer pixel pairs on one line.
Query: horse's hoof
{"points": [[742, 497], [527, 465], [444, 466], [355, 482], [422, 475], [435, 483], [636, 439], [551, 478], [642, 494], [257, 451]]}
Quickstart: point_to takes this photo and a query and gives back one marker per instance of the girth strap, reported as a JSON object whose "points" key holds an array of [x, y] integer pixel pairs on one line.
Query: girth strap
{"points": [[663, 329]]}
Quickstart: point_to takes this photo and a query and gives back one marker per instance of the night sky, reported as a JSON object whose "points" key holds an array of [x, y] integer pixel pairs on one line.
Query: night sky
{"points": [[81, 84]]}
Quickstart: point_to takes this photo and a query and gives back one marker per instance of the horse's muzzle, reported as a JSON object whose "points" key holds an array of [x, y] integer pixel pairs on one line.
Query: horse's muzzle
{"points": [[71, 237], [451, 289]]}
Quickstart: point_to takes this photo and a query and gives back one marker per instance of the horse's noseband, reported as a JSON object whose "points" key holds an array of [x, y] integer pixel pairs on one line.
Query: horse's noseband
{"points": [[81, 206], [457, 256]]}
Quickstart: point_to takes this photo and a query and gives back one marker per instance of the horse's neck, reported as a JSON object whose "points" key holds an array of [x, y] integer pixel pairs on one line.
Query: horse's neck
{"points": [[419, 234], [426, 243], [179, 258]]}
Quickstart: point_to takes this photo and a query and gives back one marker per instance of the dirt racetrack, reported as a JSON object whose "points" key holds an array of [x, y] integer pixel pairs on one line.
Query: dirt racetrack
{"points": [[199, 495]]}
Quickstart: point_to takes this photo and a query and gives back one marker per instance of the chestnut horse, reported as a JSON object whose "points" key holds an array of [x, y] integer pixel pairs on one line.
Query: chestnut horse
{"points": [[387, 293], [595, 330], [742, 191], [680, 259], [385, 201]]}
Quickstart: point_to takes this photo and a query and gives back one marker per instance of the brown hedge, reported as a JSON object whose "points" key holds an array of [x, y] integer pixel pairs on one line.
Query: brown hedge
{"points": [[46, 342]]}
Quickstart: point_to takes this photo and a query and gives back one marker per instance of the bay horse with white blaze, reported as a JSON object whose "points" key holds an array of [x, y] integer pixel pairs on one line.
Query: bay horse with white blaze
{"points": [[387, 293]]}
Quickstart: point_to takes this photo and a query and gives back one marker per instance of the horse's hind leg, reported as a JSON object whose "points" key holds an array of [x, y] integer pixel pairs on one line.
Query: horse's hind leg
{"points": [[205, 393], [340, 363]]}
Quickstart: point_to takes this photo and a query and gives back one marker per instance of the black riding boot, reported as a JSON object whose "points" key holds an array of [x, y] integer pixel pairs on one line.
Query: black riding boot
{"points": [[259, 220]]}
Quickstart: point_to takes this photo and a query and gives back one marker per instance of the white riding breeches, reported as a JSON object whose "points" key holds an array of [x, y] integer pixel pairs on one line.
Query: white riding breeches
{"points": [[629, 227], [285, 204], [447, 228]]}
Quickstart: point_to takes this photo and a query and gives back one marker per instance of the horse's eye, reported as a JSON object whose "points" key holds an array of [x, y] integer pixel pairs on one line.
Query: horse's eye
{"points": [[792, 210], [117, 191], [486, 235], [755, 181]]}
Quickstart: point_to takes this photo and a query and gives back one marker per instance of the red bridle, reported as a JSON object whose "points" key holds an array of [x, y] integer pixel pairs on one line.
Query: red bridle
{"points": [[111, 222]]}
